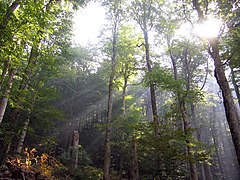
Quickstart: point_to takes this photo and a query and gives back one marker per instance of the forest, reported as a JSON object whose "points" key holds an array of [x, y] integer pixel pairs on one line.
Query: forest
{"points": [[156, 98]]}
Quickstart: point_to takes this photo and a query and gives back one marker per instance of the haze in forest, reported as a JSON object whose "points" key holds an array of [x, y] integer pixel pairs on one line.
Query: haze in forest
{"points": [[120, 90]]}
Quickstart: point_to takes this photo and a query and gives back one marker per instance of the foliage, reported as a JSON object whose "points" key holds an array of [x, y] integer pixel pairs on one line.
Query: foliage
{"points": [[161, 157], [165, 157], [164, 79], [63, 88], [230, 47], [88, 173], [31, 166], [68, 161]]}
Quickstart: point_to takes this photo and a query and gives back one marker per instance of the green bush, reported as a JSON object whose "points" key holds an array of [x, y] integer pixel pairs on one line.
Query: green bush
{"points": [[87, 173]]}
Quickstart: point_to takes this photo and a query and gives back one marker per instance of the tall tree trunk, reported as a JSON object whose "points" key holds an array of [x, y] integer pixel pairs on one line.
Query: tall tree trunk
{"points": [[107, 147], [14, 114], [6, 18], [10, 11], [186, 126], [134, 170], [4, 73], [185, 119], [220, 76], [75, 147], [6, 146], [213, 132], [203, 175], [24, 83], [4, 98], [230, 109], [124, 93], [23, 135], [27, 121], [235, 85], [152, 86], [4, 150], [121, 160], [207, 172]]}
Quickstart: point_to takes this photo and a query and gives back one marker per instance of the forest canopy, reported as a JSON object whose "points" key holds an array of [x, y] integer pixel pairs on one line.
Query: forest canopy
{"points": [[155, 97]]}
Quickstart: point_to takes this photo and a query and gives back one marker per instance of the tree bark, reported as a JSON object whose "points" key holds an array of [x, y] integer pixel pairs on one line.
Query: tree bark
{"points": [[107, 146], [4, 99], [6, 20], [235, 85], [10, 11], [7, 146], [14, 114], [4, 72], [23, 135], [134, 170], [186, 126], [4, 152], [215, 142], [185, 119], [75, 147], [207, 172], [121, 157], [23, 84], [230, 110], [152, 86]]}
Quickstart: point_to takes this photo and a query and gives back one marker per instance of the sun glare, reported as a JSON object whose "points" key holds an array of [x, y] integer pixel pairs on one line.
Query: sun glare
{"points": [[88, 23], [209, 28]]}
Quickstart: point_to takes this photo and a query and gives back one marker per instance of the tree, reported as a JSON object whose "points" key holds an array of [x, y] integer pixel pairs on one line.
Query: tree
{"points": [[31, 45], [115, 12], [220, 76], [126, 69], [185, 117], [144, 13]]}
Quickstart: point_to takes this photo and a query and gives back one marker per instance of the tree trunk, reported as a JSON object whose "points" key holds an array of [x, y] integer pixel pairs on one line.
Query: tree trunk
{"points": [[203, 175], [6, 18], [9, 12], [7, 145], [75, 147], [14, 114], [186, 126], [220, 76], [23, 135], [235, 85], [152, 86], [4, 150], [213, 132], [185, 119], [4, 73], [107, 147], [207, 172], [4, 99], [134, 171], [22, 86], [121, 158], [230, 109], [120, 170]]}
